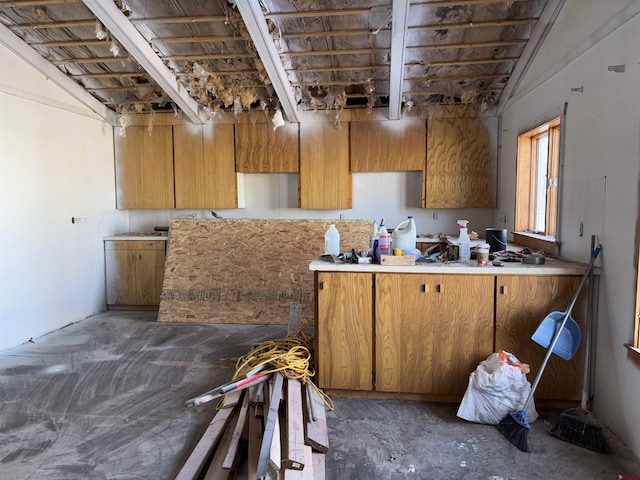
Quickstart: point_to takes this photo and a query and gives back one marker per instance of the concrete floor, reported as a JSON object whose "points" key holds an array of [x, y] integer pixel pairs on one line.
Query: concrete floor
{"points": [[104, 399]]}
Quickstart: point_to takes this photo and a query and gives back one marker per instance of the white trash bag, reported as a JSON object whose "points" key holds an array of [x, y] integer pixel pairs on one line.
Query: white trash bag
{"points": [[497, 387]]}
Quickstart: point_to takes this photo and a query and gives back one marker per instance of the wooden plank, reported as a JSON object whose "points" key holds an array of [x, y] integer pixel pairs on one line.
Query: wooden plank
{"points": [[397, 260], [307, 473], [255, 434], [272, 415], [215, 470], [237, 432], [316, 435], [318, 460], [225, 270], [202, 451], [294, 457]]}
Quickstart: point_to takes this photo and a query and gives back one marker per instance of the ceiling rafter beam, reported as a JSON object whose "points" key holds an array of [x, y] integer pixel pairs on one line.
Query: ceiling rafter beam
{"points": [[461, 46], [203, 39], [192, 19], [213, 56], [82, 61], [118, 25], [337, 69], [451, 3], [257, 26], [399, 24], [111, 75], [464, 25], [459, 78], [475, 61], [52, 25], [37, 61], [338, 12], [540, 32], [73, 43], [34, 3]]}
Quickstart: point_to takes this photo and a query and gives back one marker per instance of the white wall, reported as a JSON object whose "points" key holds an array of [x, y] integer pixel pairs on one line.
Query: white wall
{"points": [[600, 187], [56, 162]]}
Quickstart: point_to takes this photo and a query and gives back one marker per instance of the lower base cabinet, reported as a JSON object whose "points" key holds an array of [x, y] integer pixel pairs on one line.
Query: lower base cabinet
{"points": [[134, 271], [425, 333]]}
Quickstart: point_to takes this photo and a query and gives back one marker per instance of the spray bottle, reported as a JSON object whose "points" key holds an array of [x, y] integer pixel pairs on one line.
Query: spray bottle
{"points": [[463, 241]]}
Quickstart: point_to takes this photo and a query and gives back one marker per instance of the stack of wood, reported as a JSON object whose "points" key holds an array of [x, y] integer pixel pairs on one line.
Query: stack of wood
{"points": [[275, 429]]}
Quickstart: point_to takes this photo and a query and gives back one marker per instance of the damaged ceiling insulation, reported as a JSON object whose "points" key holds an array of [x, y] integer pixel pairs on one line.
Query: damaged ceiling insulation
{"points": [[205, 56]]}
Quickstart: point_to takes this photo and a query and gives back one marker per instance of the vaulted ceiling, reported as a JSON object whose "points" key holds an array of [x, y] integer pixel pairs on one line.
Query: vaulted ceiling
{"points": [[199, 57]]}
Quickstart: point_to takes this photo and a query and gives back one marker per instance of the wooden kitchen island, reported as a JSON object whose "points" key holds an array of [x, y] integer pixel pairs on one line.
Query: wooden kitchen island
{"points": [[417, 332]]}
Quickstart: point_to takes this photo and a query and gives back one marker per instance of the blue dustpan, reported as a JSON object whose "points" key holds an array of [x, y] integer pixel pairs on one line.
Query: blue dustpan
{"points": [[569, 340]]}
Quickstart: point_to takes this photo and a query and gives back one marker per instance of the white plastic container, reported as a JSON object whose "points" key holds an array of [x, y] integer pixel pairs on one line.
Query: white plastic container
{"points": [[332, 241], [384, 241], [404, 235], [482, 254], [463, 241]]}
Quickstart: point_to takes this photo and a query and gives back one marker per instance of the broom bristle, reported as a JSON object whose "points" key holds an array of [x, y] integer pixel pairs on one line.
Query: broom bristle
{"points": [[515, 426], [581, 428]]}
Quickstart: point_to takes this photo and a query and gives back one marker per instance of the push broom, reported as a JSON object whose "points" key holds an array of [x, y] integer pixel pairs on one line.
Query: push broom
{"points": [[578, 425], [515, 425]]}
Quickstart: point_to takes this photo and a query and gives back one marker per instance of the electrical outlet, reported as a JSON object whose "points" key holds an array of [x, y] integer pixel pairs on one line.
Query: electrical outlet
{"points": [[435, 215], [75, 220]]}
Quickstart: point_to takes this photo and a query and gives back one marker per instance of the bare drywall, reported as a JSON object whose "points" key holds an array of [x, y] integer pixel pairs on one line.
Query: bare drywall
{"points": [[600, 190], [55, 163]]}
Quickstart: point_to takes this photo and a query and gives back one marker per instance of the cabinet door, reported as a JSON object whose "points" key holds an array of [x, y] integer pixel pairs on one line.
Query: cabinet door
{"points": [[522, 302], [431, 331], [404, 333], [134, 271], [261, 149], [460, 165], [144, 167], [344, 330], [388, 145], [325, 180], [205, 166], [463, 329]]}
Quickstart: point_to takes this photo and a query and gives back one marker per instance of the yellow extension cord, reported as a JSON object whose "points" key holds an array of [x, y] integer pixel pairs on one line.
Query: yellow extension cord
{"points": [[289, 356]]}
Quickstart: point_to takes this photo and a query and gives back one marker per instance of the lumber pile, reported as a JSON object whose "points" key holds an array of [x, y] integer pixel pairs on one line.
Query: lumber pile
{"points": [[271, 427]]}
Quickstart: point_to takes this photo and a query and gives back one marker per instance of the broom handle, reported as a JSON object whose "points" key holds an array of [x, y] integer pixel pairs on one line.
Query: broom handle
{"points": [[556, 336]]}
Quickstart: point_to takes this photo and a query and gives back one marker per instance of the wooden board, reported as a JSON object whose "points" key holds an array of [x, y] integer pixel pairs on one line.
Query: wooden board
{"points": [[246, 271], [397, 260]]}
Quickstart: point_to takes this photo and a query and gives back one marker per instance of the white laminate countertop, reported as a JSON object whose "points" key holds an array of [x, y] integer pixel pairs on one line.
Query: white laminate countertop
{"points": [[551, 267], [145, 236]]}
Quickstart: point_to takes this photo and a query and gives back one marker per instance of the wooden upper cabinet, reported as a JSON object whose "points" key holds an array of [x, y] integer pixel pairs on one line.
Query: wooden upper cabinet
{"points": [[261, 149], [325, 180], [204, 159], [388, 145], [144, 167], [460, 164]]}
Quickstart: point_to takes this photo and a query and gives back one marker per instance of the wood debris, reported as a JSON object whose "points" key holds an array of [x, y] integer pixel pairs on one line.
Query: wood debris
{"points": [[274, 430]]}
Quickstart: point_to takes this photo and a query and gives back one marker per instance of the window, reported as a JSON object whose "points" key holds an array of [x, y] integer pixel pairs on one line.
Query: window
{"points": [[538, 164]]}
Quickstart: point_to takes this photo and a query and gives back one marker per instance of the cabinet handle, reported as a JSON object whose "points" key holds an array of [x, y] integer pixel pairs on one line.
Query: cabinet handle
{"points": [[503, 289], [321, 286], [424, 287], [439, 288]]}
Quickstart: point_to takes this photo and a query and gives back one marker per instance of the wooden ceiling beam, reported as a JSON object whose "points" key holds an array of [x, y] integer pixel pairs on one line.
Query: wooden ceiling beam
{"points": [[451, 3], [461, 46], [464, 25], [110, 75], [475, 61], [52, 25], [93, 42], [257, 26], [186, 19], [138, 47], [458, 78], [339, 12], [336, 69], [208, 57], [203, 39], [399, 23], [333, 33], [34, 3], [324, 53], [84, 61]]}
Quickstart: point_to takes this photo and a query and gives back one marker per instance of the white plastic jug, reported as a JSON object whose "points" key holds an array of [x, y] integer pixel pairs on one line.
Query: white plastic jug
{"points": [[404, 235], [332, 241]]}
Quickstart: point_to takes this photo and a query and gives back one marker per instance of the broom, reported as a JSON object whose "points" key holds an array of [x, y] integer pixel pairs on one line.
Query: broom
{"points": [[515, 425], [578, 425]]}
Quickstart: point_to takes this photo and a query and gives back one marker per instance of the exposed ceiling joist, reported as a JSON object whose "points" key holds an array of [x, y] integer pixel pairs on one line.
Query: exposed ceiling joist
{"points": [[257, 26], [115, 21], [33, 58], [547, 18], [167, 20], [43, 25], [399, 22]]}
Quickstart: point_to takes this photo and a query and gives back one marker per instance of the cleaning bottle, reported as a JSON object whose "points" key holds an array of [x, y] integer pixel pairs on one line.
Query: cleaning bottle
{"points": [[404, 235], [373, 236], [332, 241], [463, 241], [384, 241]]}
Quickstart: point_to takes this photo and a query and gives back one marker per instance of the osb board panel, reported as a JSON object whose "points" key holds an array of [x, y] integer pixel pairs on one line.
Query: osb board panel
{"points": [[246, 271]]}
